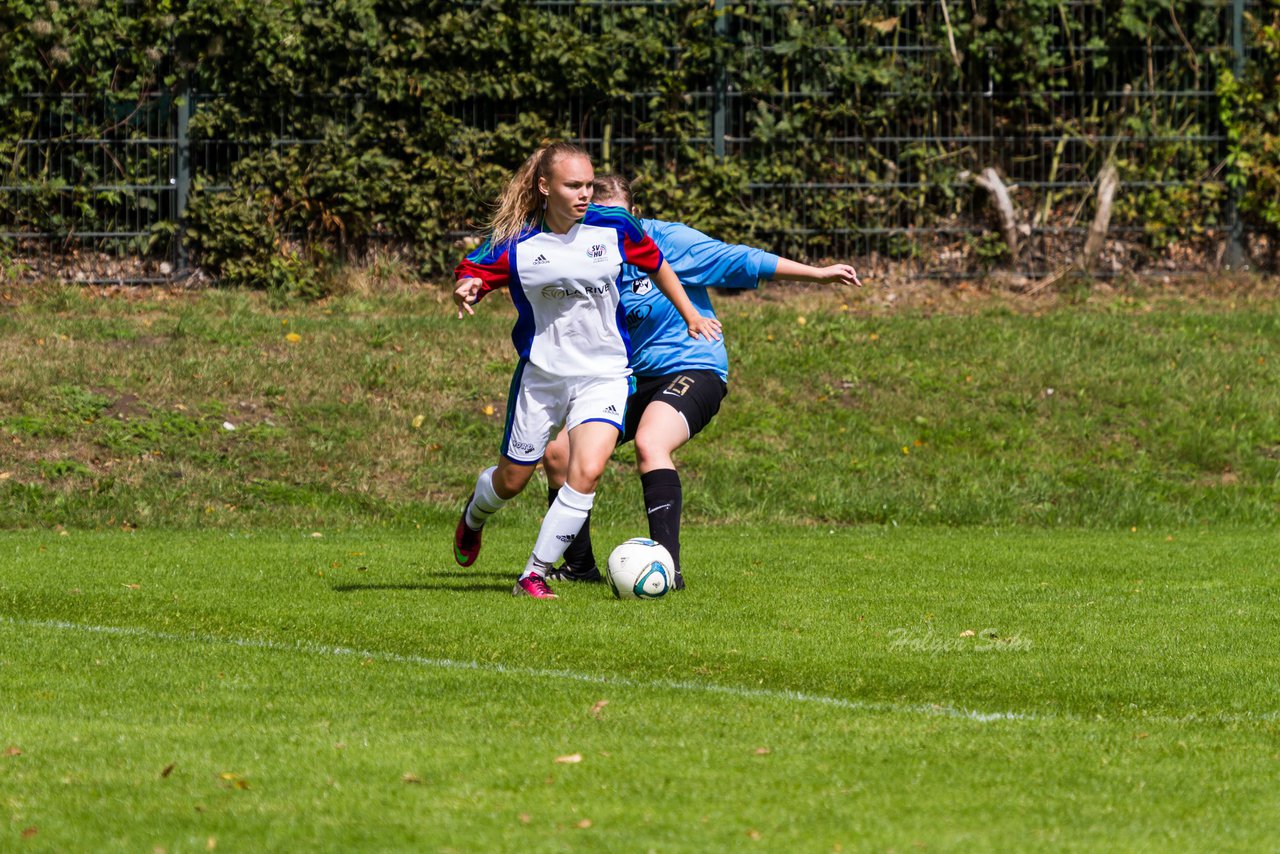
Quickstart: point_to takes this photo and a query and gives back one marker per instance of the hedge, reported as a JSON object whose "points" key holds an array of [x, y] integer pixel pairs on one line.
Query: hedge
{"points": [[406, 116]]}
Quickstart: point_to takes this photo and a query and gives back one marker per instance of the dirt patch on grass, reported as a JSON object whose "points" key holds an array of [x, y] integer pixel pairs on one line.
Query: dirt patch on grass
{"points": [[124, 407]]}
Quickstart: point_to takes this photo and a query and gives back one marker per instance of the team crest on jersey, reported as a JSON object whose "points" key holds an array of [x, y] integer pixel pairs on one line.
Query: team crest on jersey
{"points": [[640, 287], [596, 251]]}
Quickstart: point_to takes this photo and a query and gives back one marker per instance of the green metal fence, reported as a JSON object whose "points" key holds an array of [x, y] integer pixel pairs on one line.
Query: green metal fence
{"points": [[96, 192]]}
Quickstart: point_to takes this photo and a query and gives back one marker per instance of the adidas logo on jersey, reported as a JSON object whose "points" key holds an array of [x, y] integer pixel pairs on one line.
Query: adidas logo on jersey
{"points": [[541, 259]]}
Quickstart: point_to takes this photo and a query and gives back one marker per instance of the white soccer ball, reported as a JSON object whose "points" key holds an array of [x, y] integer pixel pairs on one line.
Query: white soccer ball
{"points": [[640, 569]]}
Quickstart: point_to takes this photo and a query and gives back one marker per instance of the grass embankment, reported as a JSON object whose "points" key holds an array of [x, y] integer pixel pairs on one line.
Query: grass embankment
{"points": [[216, 410]]}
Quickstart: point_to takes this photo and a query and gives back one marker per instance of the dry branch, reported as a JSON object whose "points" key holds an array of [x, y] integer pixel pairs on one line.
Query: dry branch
{"points": [[990, 181], [1108, 183]]}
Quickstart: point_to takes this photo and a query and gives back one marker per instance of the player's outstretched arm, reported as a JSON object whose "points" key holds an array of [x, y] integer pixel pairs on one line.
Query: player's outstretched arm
{"points": [[467, 294], [836, 274], [699, 326]]}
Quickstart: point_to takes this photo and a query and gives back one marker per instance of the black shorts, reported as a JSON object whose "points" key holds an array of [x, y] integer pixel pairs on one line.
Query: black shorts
{"points": [[695, 394]]}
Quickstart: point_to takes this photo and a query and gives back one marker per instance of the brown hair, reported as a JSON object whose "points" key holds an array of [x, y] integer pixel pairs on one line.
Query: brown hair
{"points": [[520, 201], [613, 186]]}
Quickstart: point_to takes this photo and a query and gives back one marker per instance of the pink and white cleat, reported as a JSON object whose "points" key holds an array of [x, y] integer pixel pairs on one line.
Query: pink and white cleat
{"points": [[534, 586]]}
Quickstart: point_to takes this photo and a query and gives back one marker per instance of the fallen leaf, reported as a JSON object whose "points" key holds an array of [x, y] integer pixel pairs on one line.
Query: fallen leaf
{"points": [[584, 824], [968, 633], [133, 586], [753, 834], [168, 769], [488, 409], [13, 750], [418, 420], [595, 710], [525, 818], [763, 751], [571, 759], [28, 832], [885, 26], [409, 777], [211, 844], [5, 475], [293, 338]]}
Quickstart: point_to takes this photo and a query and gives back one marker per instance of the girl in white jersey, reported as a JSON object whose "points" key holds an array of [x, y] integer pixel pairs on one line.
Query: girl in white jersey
{"points": [[561, 258]]}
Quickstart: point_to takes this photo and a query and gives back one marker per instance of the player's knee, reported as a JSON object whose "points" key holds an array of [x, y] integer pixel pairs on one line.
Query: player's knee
{"points": [[585, 475], [652, 448], [587, 478], [556, 463], [510, 480]]}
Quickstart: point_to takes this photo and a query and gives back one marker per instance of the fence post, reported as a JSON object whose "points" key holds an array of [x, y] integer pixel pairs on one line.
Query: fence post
{"points": [[722, 81], [1235, 257], [182, 172]]}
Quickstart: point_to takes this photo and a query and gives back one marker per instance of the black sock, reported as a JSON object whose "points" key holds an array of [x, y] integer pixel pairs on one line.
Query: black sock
{"points": [[578, 556], [663, 501]]}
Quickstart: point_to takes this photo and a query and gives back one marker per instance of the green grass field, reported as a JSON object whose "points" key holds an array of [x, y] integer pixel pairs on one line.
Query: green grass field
{"points": [[812, 690], [970, 573]]}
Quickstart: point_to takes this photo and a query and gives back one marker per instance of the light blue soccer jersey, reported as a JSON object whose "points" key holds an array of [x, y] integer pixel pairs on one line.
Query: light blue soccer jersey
{"points": [[660, 341]]}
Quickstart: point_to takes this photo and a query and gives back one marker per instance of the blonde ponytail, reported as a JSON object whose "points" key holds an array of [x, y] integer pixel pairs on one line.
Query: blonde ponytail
{"points": [[520, 201]]}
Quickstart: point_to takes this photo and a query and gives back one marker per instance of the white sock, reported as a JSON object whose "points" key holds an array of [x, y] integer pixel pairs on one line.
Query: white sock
{"points": [[561, 524], [486, 501]]}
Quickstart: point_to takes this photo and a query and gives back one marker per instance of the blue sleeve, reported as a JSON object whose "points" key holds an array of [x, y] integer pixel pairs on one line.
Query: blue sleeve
{"points": [[702, 261]]}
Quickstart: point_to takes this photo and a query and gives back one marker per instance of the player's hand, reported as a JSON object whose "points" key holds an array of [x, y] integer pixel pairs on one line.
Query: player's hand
{"points": [[705, 327], [841, 274], [466, 294]]}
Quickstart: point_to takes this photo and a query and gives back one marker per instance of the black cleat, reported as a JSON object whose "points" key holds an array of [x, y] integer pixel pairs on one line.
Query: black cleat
{"points": [[567, 573]]}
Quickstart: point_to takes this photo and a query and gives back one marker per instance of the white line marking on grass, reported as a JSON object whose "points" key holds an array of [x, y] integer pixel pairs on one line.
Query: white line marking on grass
{"points": [[534, 672]]}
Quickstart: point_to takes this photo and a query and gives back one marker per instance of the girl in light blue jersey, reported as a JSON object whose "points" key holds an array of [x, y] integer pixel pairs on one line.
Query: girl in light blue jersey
{"points": [[680, 381]]}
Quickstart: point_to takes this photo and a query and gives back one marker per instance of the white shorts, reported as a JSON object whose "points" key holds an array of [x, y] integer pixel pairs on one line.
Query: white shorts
{"points": [[540, 403]]}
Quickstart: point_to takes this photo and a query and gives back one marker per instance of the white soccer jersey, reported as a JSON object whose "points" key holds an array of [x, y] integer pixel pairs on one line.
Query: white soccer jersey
{"points": [[565, 288]]}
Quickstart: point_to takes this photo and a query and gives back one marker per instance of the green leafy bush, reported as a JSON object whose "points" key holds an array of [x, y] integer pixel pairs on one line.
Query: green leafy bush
{"points": [[319, 131]]}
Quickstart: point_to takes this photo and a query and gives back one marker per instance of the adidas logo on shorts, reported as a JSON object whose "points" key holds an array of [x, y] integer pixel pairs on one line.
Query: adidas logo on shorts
{"points": [[541, 259], [611, 409]]}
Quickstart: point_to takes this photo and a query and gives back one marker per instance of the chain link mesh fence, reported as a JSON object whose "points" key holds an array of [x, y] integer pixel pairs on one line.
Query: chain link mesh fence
{"points": [[96, 190]]}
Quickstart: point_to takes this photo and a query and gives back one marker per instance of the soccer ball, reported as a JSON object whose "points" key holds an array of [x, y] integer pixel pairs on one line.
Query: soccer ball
{"points": [[640, 569]]}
